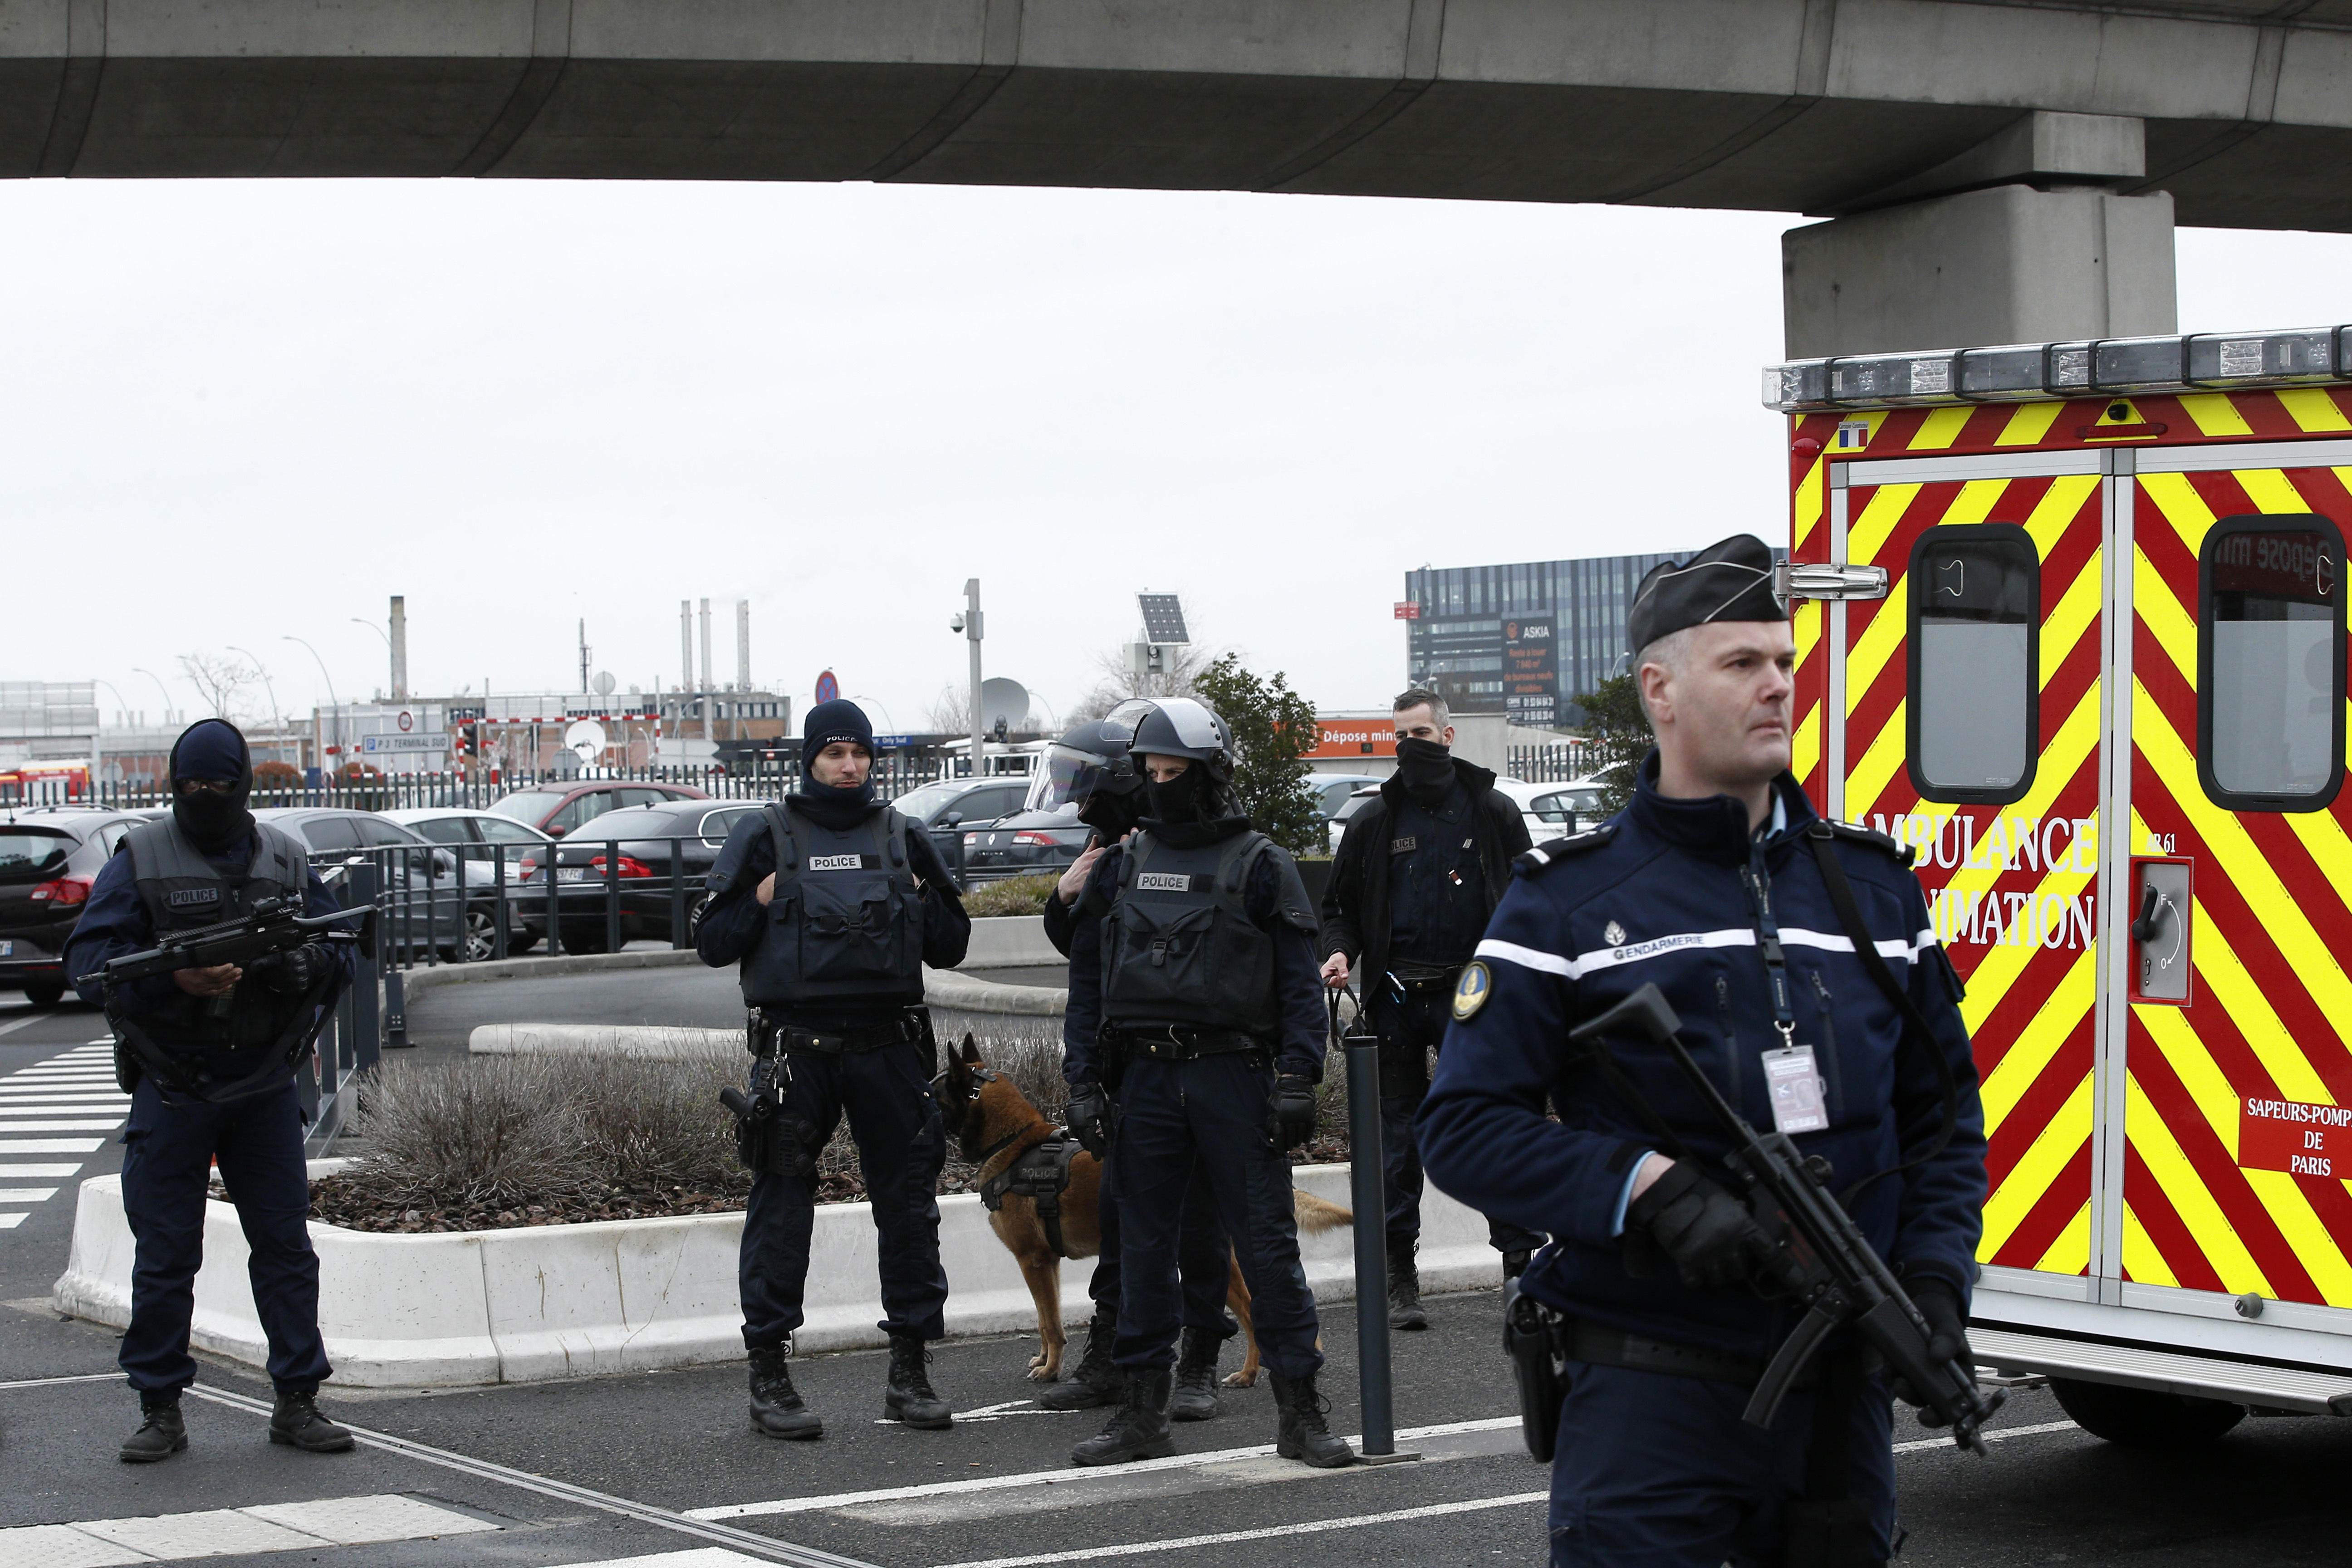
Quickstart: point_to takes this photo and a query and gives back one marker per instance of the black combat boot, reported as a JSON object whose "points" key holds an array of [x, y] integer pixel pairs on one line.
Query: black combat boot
{"points": [[776, 1407], [1195, 1399], [1140, 1428], [1404, 1289], [909, 1400], [161, 1433], [296, 1422], [1302, 1433], [1096, 1381]]}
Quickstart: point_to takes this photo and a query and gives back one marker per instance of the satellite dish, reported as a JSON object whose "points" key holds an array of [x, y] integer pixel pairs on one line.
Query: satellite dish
{"points": [[605, 683], [1004, 703], [584, 740]]}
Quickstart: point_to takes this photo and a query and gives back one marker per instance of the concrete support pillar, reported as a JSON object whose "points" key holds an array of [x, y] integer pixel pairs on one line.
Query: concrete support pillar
{"points": [[2016, 241]]}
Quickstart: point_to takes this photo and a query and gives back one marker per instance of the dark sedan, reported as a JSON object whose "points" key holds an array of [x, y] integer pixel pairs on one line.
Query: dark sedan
{"points": [[644, 844], [1025, 844], [49, 855]]}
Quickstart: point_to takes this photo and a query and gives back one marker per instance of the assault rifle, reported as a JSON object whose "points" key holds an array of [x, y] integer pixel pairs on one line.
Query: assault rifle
{"points": [[276, 925], [1818, 1258]]}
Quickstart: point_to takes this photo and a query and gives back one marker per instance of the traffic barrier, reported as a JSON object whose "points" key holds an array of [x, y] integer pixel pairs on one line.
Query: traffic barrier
{"points": [[536, 1304]]}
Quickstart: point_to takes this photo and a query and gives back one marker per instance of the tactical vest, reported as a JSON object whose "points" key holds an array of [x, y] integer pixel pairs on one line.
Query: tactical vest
{"points": [[846, 920], [183, 890], [1179, 945]]}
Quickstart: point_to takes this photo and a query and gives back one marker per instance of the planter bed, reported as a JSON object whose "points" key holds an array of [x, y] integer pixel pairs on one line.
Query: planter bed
{"points": [[535, 1302]]}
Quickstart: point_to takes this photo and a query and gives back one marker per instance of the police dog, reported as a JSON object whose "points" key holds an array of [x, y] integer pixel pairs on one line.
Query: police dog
{"points": [[996, 1125]]}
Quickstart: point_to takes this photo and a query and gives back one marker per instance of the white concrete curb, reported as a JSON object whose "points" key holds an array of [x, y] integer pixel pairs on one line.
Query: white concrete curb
{"points": [[532, 1304]]}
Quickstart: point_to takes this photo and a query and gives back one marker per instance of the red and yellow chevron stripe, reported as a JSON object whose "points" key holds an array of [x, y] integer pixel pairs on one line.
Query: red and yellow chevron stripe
{"points": [[2013, 889], [2134, 419], [2269, 1015]]}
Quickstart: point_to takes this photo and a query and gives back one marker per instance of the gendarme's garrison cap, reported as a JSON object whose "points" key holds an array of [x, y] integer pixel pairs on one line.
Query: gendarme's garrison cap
{"points": [[1730, 580]]}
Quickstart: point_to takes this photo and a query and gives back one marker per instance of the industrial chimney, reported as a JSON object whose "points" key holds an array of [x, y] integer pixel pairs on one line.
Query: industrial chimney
{"points": [[707, 682], [686, 645], [400, 647], [743, 645]]}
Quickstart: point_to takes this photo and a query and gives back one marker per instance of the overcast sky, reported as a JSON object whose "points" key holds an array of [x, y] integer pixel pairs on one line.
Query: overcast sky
{"points": [[235, 411]]}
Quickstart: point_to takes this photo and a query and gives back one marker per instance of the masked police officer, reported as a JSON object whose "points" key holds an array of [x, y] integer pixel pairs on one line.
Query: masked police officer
{"points": [[1195, 998], [1089, 767], [1417, 875], [207, 862], [832, 902], [1711, 884]]}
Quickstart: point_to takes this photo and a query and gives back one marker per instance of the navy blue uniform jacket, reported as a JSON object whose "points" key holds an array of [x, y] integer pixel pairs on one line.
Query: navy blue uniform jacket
{"points": [[1662, 901], [1303, 1025], [114, 923]]}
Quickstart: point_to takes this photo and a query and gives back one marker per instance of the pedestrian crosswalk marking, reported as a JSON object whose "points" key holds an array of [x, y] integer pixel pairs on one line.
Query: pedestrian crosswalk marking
{"points": [[11, 1221], [214, 1532], [74, 1091], [27, 1194], [42, 1170], [49, 1145]]}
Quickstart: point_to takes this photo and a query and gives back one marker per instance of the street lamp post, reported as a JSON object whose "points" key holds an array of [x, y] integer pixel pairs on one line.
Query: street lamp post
{"points": [[334, 701], [166, 696], [972, 632]]}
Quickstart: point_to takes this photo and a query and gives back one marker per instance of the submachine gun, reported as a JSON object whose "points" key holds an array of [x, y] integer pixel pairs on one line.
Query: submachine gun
{"points": [[1818, 1258], [274, 926]]}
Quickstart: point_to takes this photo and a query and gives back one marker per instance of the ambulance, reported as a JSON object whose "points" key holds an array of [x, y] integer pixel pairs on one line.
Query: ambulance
{"points": [[2070, 623]]}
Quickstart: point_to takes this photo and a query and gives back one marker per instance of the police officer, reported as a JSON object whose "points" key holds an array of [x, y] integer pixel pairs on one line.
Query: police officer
{"points": [[1194, 998], [832, 902], [1418, 873], [1089, 767], [1710, 885], [206, 862]]}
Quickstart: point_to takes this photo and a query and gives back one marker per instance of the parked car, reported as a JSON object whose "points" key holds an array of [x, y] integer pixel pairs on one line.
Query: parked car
{"points": [[557, 809], [49, 855], [479, 838], [1554, 810], [645, 841], [1333, 791], [950, 808], [426, 908], [1023, 844]]}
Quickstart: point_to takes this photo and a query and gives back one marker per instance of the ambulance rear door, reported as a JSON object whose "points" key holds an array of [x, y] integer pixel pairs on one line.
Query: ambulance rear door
{"points": [[1966, 714], [2236, 1216]]}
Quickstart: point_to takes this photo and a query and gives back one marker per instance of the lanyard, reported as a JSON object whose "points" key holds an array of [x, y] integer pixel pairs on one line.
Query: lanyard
{"points": [[1767, 938]]}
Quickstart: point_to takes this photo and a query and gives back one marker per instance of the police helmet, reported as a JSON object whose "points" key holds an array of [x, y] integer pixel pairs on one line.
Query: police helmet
{"points": [[1082, 762], [1180, 727]]}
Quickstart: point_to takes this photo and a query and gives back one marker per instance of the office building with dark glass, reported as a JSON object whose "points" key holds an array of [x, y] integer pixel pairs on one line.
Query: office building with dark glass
{"points": [[1521, 641]]}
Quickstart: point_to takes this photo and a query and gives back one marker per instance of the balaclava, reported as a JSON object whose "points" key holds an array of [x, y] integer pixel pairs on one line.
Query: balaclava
{"points": [[1426, 768], [211, 749]]}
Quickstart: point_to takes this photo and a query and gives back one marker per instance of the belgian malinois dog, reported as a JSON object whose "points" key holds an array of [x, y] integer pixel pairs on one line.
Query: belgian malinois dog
{"points": [[996, 1125]]}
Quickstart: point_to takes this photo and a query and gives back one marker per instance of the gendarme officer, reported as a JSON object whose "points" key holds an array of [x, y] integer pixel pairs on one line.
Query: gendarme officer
{"points": [[1416, 878], [207, 862], [832, 902], [1708, 886], [1195, 999]]}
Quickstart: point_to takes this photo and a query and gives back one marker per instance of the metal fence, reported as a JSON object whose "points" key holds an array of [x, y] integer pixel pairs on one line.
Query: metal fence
{"points": [[1553, 764]]}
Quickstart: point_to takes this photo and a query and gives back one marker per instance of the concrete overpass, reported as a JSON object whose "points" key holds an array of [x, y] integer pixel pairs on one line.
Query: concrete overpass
{"points": [[1993, 169]]}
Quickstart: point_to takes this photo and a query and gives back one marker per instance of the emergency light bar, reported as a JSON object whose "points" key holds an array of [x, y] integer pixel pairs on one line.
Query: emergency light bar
{"points": [[2024, 373]]}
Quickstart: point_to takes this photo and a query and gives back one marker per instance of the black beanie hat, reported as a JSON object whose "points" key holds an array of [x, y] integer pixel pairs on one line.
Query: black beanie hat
{"points": [[839, 719]]}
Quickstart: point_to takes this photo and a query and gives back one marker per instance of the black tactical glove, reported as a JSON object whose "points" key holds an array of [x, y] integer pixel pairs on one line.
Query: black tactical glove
{"points": [[1948, 1335], [296, 970], [1090, 1118], [1290, 1113], [1709, 1234]]}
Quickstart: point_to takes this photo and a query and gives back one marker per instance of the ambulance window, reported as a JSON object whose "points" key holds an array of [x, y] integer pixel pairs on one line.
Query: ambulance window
{"points": [[1975, 596], [2269, 663]]}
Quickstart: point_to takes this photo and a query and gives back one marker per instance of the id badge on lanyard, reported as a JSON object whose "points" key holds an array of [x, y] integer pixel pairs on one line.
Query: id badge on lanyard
{"points": [[1790, 1081]]}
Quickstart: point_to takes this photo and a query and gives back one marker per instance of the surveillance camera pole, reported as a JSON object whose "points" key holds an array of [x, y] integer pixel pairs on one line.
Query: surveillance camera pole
{"points": [[971, 631]]}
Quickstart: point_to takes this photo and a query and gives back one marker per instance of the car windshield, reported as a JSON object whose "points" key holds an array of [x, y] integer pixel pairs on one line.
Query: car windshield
{"points": [[923, 803], [32, 851], [640, 823], [529, 806]]}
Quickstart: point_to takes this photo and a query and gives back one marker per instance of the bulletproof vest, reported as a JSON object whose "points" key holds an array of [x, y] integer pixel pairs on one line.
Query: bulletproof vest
{"points": [[1179, 946], [183, 890], [846, 920]]}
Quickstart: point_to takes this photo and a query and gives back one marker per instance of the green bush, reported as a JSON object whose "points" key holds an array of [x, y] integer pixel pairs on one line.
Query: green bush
{"points": [[1014, 896]]}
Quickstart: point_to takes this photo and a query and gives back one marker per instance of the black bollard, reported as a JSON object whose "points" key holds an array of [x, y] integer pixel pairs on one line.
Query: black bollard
{"points": [[1371, 1249]]}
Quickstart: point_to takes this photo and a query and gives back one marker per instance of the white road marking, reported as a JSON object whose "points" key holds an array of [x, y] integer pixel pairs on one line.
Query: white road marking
{"points": [[59, 1127], [50, 1146], [700, 1557], [65, 1105], [43, 1094], [27, 1194], [11, 1221], [50, 1382], [1272, 1532], [1063, 1477], [42, 1169], [15, 1023], [1993, 1437], [215, 1532]]}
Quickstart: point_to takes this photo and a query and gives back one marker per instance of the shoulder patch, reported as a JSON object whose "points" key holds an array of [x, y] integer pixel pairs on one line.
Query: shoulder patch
{"points": [[1471, 991], [1855, 833], [1551, 851]]}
